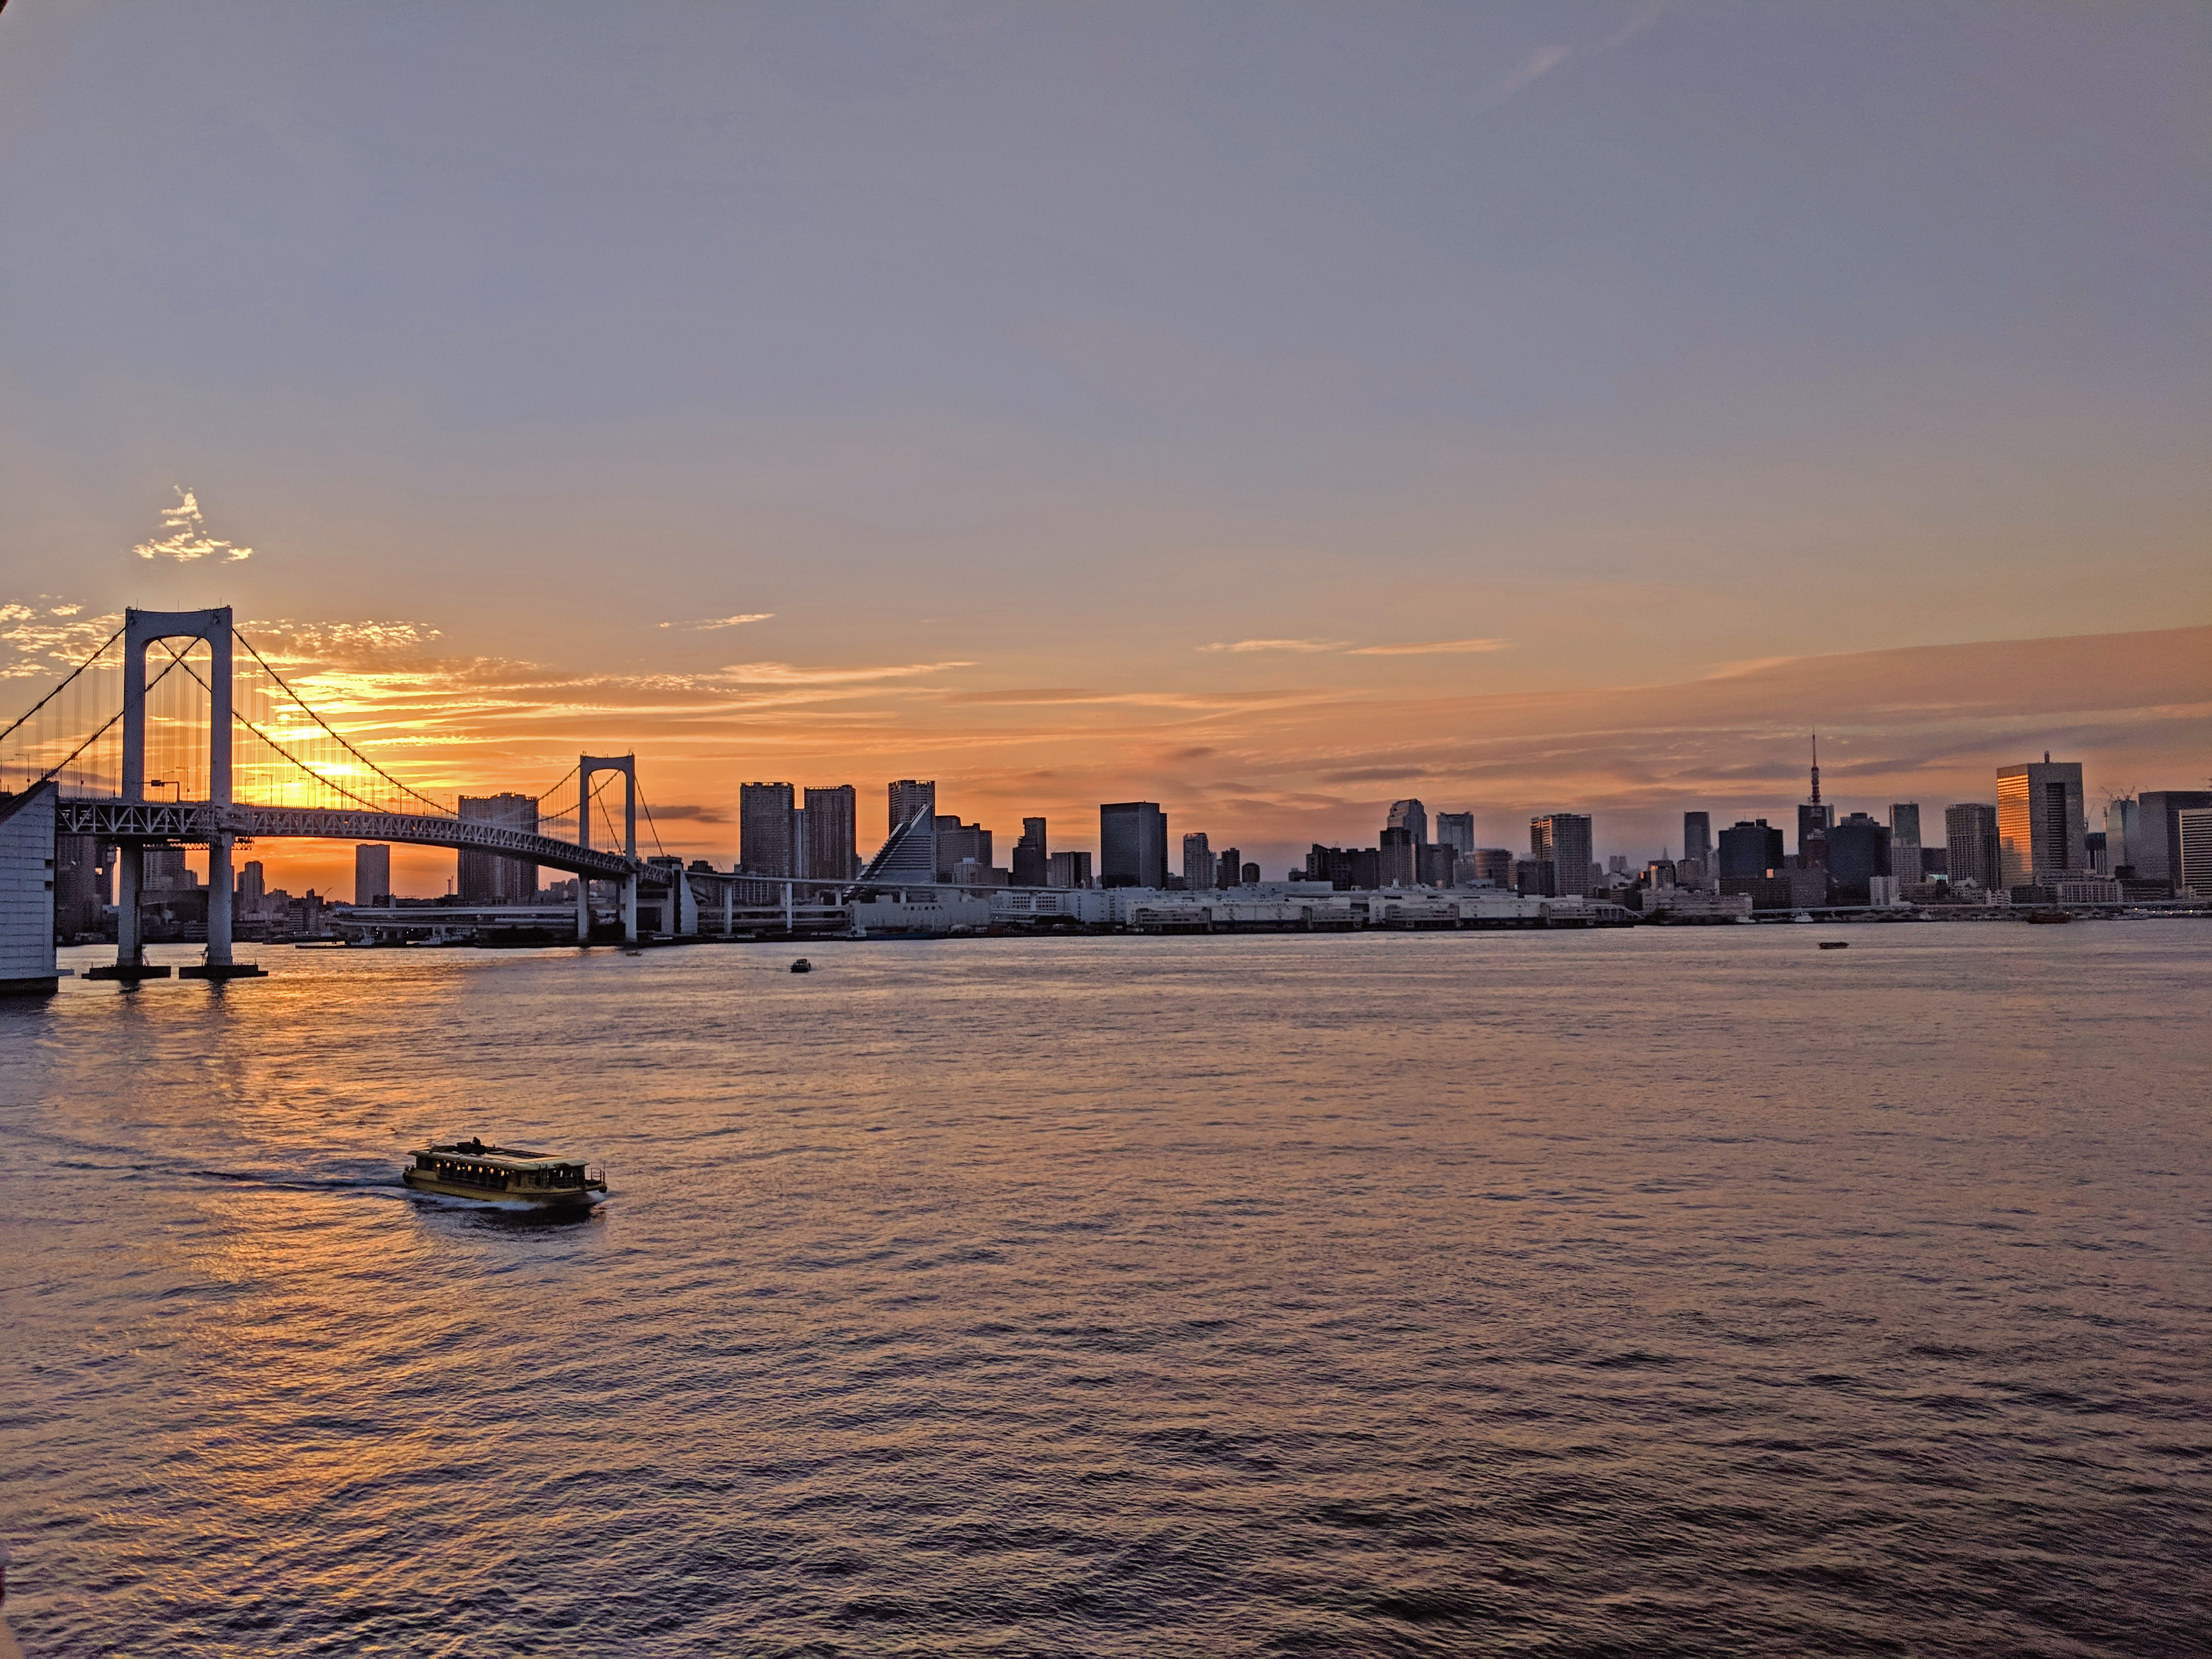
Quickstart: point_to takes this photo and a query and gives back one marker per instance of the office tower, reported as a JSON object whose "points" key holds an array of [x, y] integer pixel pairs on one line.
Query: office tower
{"points": [[253, 890], [1133, 844], [1229, 866], [1438, 865], [1904, 841], [163, 870], [371, 875], [1397, 861], [1198, 863], [1346, 868], [1698, 838], [1490, 866], [1032, 858], [2193, 826], [1970, 845], [1456, 831], [2040, 823], [2123, 827], [1564, 838], [957, 841], [1068, 870], [2155, 847], [1249, 876], [490, 877], [1749, 848], [1412, 816], [80, 886], [829, 834], [1535, 877], [908, 796], [1859, 849], [767, 830]]}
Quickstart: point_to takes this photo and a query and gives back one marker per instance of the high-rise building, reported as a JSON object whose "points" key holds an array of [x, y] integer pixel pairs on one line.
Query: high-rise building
{"points": [[1438, 865], [1249, 875], [1456, 831], [2040, 822], [2194, 825], [1133, 844], [957, 841], [1859, 850], [1536, 878], [1564, 838], [1410, 815], [83, 885], [1068, 870], [1904, 841], [1344, 868], [371, 875], [1398, 856], [1032, 858], [1749, 848], [1698, 838], [491, 878], [2123, 827], [1199, 862], [1229, 867], [163, 870], [1491, 866], [252, 889], [829, 834], [767, 830], [908, 796], [2155, 847], [1969, 846]]}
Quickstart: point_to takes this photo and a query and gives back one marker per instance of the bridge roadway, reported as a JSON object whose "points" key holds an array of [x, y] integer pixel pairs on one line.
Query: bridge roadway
{"points": [[143, 821]]}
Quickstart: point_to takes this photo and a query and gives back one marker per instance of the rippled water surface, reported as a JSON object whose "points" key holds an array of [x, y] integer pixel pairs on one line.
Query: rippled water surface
{"points": [[1686, 1291]]}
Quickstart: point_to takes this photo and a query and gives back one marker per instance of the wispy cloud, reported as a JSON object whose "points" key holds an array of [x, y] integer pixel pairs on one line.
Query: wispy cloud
{"points": [[783, 673], [187, 538], [1429, 647], [707, 624], [1537, 65], [1276, 645]]}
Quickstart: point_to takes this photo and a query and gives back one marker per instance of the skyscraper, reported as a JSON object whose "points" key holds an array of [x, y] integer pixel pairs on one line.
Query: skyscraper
{"points": [[82, 887], [371, 875], [957, 841], [2122, 828], [1197, 862], [2194, 825], [829, 844], [1698, 838], [1032, 858], [490, 878], [1413, 816], [1749, 848], [1068, 870], [1859, 849], [2040, 823], [2155, 847], [767, 832], [1133, 844], [1456, 831], [1904, 841], [1398, 855], [1228, 867], [908, 796], [1563, 838], [1970, 845]]}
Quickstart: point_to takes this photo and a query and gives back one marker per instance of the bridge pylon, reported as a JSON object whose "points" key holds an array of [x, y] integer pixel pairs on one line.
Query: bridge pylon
{"points": [[588, 768]]}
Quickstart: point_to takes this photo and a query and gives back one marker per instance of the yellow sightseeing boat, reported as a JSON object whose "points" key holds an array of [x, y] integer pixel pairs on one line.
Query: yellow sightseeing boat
{"points": [[505, 1174]]}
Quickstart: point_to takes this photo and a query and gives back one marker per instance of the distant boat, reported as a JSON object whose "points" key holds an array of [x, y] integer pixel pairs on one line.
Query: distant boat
{"points": [[1835, 944], [2048, 917], [802, 966], [505, 1174]]}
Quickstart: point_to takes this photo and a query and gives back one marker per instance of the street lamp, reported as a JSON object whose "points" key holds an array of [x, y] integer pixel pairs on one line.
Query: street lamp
{"points": [[177, 784]]}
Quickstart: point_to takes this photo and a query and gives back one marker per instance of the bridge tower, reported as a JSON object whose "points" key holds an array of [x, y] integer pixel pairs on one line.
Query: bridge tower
{"points": [[588, 768], [140, 630]]}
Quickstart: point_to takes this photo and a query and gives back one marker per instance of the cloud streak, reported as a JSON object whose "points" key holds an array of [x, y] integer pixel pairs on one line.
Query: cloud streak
{"points": [[708, 624], [1429, 648]]}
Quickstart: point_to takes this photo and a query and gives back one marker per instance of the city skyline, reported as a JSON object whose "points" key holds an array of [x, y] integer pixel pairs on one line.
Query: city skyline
{"points": [[1544, 407]]}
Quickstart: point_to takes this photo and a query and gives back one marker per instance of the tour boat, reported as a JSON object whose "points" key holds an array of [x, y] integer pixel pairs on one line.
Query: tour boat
{"points": [[802, 966], [505, 1174], [1835, 944]]}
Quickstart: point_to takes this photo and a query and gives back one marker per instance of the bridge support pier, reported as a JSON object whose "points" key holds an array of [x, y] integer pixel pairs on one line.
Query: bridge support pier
{"points": [[129, 875], [583, 908], [629, 907], [219, 894]]}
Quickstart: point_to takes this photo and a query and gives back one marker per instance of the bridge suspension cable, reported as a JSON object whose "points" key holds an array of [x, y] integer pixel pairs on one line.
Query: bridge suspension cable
{"points": [[31, 712], [438, 807]]}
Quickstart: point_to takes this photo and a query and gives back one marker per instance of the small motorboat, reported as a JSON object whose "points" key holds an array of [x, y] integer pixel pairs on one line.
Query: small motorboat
{"points": [[1835, 944], [505, 1174], [802, 966], [2048, 918]]}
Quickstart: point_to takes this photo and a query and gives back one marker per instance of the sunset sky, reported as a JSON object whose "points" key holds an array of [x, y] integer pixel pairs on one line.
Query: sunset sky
{"points": [[1269, 409]]}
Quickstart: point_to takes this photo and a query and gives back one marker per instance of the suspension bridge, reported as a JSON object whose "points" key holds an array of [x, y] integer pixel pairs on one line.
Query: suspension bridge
{"points": [[217, 748]]}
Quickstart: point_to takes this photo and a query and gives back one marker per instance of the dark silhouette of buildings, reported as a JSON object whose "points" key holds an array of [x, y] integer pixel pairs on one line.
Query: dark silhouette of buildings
{"points": [[490, 877], [1970, 845], [1563, 840], [828, 833], [1133, 844], [1749, 848], [1032, 858], [767, 830]]}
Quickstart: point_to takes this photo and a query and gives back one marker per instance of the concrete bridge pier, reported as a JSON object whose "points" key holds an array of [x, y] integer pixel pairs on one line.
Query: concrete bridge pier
{"points": [[130, 876], [629, 907], [219, 896], [583, 908]]}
